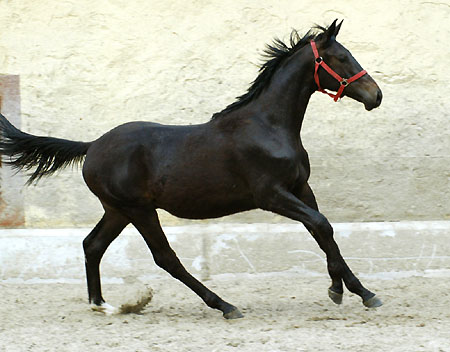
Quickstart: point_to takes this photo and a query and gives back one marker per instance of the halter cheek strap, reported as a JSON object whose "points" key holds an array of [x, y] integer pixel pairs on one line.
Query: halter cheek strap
{"points": [[344, 82]]}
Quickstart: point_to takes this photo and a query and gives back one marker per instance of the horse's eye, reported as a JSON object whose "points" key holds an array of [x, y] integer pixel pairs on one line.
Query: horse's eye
{"points": [[342, 58]]}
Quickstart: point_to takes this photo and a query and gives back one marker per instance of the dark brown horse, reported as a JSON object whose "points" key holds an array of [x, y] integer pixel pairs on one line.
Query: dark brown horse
{"points": [[248, 156]]}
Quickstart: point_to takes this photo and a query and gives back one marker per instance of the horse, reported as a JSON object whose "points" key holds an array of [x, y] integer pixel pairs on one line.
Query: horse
{"points": [[248, 156]]}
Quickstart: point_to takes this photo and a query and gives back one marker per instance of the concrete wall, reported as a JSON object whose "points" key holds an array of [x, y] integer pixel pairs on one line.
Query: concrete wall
{"points": [[86, 67], [372, 250]]}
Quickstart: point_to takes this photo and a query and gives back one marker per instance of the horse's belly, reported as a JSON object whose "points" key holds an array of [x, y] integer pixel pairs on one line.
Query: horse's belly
{"points": [[203, 201], [207, 211]]}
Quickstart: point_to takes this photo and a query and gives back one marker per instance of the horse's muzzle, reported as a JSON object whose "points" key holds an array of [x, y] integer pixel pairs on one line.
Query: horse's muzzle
{"points": [[376, 102]]}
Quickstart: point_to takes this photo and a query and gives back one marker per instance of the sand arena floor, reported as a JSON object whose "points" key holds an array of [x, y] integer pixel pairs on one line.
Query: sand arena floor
{"points": [[275, 274], [283, 312]]}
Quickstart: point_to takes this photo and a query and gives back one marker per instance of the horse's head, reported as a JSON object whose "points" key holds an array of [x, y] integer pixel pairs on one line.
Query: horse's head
{"points": [[336, 69]]}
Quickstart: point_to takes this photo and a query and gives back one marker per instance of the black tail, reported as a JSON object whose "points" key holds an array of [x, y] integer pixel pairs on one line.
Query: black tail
{"points": [[46, 154]]}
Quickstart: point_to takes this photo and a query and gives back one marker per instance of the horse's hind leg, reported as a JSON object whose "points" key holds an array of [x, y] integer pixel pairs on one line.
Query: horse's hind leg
{"points": [[147, 223], [95, 245]]}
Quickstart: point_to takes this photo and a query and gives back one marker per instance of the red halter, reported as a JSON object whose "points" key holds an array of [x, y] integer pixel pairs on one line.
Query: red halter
{"points": [[343, 82]]}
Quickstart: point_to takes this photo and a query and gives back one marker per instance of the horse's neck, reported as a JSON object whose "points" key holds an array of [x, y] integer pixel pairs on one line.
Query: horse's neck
{"points": [[286, 98]]}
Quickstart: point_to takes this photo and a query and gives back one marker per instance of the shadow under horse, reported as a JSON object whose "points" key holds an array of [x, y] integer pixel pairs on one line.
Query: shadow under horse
{"points": [[248, 156]]}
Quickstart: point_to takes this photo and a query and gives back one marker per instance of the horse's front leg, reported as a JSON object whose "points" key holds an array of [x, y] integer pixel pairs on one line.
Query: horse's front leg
{"points": [[306, 195], [285, 203]]}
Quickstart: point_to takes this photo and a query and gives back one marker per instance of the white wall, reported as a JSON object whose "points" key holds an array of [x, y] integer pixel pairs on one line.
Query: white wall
{"points": [[86, 67]]}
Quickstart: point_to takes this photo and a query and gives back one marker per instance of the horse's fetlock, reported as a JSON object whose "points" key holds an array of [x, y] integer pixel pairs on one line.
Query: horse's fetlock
{"points": [[213, 301]]}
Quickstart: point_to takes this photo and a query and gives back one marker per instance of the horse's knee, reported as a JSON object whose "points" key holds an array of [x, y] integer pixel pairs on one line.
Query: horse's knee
{"points": [[322, 226]]}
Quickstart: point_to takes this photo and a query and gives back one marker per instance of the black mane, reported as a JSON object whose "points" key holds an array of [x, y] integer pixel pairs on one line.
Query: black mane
{"points": [[274, 54]]}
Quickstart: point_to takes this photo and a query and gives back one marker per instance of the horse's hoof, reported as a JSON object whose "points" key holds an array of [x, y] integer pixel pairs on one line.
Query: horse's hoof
{"points": [[335, 297], [234, 314], [373, 302], [105, 308]]}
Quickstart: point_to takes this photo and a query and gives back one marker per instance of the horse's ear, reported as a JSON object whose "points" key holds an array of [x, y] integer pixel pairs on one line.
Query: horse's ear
{"points": [[338, 28], [332, 30]]}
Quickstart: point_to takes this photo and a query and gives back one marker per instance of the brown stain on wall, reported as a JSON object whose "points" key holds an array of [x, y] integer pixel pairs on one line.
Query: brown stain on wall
{"points": [[11, 207]]}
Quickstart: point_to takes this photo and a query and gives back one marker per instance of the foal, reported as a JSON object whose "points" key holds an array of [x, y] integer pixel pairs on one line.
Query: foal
{"points": [[248, 156]]}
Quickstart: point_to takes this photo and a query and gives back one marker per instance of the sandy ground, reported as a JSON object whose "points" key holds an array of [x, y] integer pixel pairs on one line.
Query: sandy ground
{"points": [[283, 312]]}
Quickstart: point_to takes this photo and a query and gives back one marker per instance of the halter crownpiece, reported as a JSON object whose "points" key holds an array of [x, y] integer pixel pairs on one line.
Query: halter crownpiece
{"points": [[344, 82]]}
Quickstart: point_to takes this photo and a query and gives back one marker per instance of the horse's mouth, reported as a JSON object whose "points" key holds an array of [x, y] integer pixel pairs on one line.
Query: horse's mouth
{"points": [[369, 107]]}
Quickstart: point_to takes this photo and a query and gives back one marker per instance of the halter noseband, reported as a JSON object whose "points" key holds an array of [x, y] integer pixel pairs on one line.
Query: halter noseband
{"points": [[344, 82]]}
